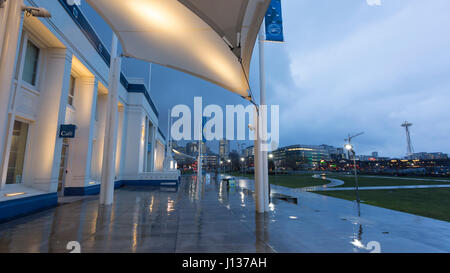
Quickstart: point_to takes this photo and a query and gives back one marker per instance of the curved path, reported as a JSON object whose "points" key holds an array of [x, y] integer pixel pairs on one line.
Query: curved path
{"points": [[329, 186], [334, 183]]}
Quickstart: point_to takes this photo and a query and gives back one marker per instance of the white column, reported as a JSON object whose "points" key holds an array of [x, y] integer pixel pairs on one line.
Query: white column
{"points": [[133, 142], [79, 174], [97, 156], [120, 131], [12, 17], [108, 174], [152, 153], [45, 148], [3, 18], [145, 143]]}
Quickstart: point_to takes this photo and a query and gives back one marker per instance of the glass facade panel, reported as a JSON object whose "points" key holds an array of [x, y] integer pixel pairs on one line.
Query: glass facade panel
{"points": [[17, 153]]}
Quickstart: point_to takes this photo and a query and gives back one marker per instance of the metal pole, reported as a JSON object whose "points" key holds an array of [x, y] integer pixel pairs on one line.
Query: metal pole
{"points": [[259, 193], [199, 165], [262, 82], [356, 177], [108, 170]]}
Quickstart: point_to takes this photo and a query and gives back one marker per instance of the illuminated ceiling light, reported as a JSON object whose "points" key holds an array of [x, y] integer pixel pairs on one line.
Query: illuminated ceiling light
{"points": [[14, 194]]}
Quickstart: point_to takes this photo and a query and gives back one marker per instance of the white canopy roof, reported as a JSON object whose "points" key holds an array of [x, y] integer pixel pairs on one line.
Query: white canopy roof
{"points": [[205, 38]]}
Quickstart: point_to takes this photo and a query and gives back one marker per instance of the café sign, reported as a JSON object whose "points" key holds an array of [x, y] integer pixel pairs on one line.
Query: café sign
{"points": [[67, 131]]}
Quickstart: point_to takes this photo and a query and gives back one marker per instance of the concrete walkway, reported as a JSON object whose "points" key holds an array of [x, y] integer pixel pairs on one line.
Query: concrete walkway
{"points": [[327, 224], [214, 217]]}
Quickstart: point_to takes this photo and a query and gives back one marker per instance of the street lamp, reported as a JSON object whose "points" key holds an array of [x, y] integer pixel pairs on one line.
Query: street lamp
{"points": [[243, 164], [349, 148], [231, 167]]}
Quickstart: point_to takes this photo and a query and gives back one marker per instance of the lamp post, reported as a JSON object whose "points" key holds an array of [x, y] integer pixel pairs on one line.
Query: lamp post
{"points": [[231, 166], [242, 160], [271, 157], [349, 148]]}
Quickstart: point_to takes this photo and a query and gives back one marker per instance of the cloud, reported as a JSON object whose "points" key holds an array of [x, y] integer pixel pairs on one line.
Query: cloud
{"points": [[377, 72]]}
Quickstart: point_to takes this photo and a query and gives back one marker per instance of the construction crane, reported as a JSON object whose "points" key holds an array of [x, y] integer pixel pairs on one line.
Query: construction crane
{"points": [[349, 141]]}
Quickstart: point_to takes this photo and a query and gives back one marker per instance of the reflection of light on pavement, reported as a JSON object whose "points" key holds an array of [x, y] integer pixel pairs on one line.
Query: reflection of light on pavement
{"points": [[271, 207], [293, 217], [357, 243], [170, 205], [151, 204]]}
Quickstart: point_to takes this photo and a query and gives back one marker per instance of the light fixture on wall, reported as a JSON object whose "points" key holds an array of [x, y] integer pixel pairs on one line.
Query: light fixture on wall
{"points": [[36, 12]]}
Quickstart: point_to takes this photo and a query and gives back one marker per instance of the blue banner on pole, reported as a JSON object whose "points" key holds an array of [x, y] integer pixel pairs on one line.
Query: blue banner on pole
{"points": [[274, 22]]}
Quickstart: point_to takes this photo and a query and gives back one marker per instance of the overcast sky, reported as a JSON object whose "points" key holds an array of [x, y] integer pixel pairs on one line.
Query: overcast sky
{"points": [[346, 67]]}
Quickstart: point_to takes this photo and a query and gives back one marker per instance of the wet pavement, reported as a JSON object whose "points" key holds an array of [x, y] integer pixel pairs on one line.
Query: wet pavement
{"points": [[215, 217]]}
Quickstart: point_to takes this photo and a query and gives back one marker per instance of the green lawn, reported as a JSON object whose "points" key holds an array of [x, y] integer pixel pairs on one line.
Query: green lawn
{"points": [[296, 181], [372, 181], [239, 174], [291, 181], [434, 203]]}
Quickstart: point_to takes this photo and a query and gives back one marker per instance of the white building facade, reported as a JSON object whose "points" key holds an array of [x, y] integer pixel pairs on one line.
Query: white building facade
{"points": [[54, 78]]}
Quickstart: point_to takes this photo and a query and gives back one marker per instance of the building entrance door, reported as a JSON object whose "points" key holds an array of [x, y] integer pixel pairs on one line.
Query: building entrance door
{"points": [[63, 166]]}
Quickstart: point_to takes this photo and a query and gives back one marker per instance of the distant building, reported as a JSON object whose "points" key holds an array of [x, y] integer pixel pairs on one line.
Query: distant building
{"points": [[301, 156], [366, 158], [192, 148], [224, 148], [428, 156], [211, 161], [249, 151], [335, 153]]}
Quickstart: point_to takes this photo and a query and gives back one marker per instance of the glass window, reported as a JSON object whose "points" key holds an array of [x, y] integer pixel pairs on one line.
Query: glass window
{"points": [[71, 90], [31, 63], [17, 153]]}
